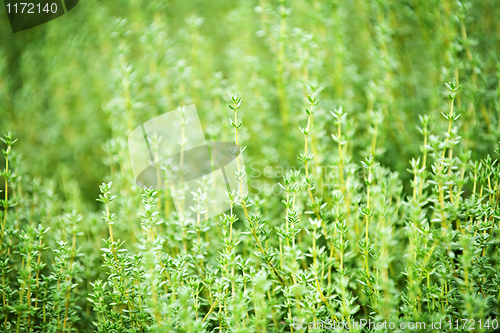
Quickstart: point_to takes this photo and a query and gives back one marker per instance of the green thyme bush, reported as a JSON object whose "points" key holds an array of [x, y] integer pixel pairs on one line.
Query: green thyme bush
{"points": [[370, 134]]}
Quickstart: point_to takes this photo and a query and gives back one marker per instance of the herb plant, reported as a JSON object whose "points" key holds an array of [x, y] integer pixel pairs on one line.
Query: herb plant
{"points": [[369, 188]]}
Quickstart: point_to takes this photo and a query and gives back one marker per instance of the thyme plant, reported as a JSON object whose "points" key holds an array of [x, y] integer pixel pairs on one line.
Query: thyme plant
{"points": [[369, 189]]}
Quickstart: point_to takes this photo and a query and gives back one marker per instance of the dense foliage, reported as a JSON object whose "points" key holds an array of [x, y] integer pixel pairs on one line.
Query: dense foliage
{"points": [[370, 131]]}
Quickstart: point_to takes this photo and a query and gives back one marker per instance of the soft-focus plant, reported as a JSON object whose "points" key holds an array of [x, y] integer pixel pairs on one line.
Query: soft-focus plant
{"points": [[370, 133]]}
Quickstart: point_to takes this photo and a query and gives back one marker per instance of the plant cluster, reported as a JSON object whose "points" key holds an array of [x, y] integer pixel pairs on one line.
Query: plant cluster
{"points": [[385, 117]]}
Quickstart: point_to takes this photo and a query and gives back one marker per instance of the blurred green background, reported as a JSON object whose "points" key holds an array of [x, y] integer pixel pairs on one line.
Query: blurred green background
{"points": [[73, 88]]}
